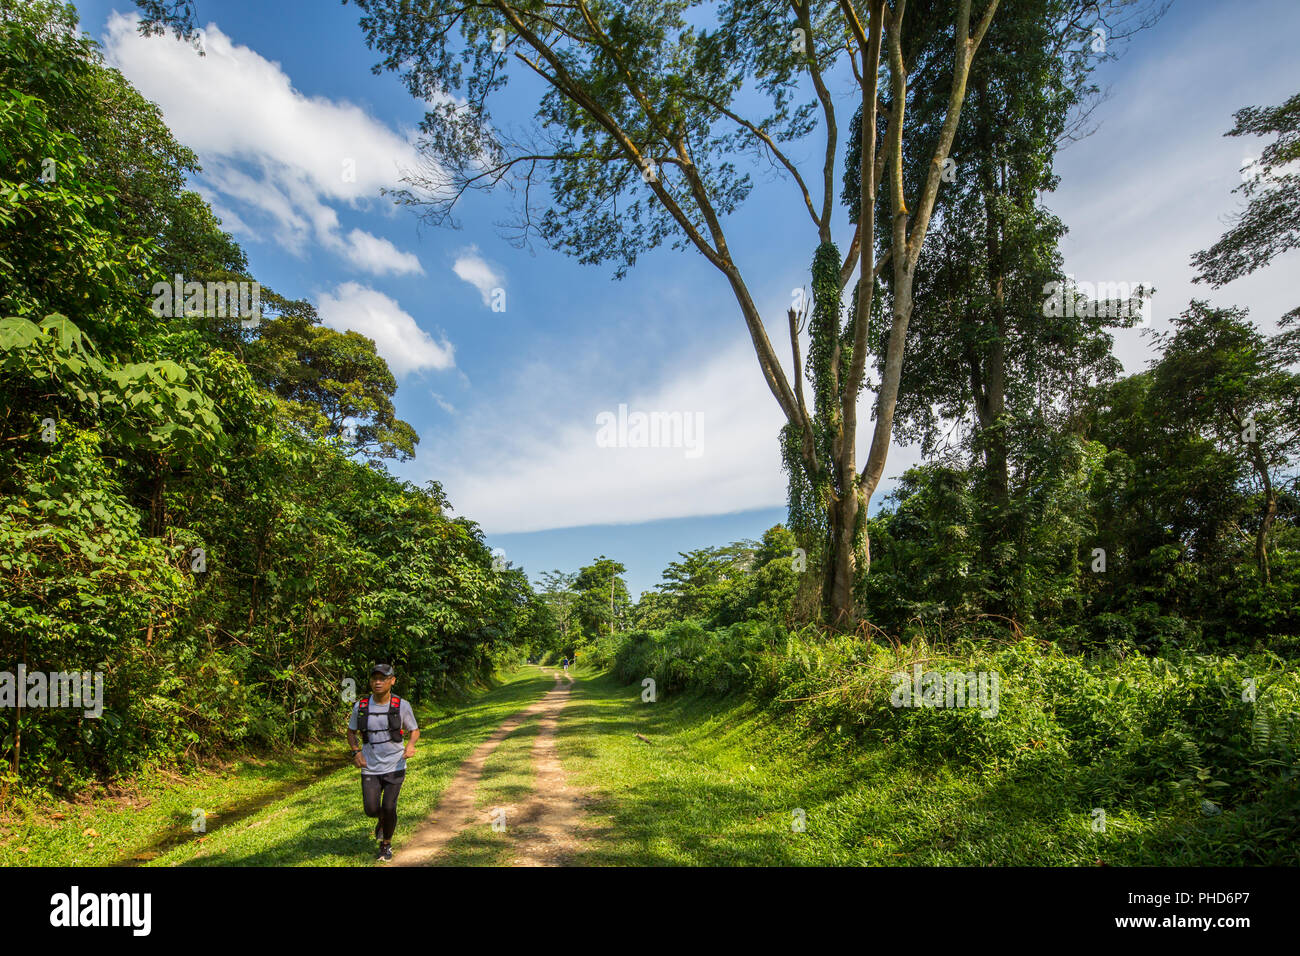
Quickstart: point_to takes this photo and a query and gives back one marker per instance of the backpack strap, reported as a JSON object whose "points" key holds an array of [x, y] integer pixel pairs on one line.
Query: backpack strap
{"points": [[395, 731], [363, 718]]}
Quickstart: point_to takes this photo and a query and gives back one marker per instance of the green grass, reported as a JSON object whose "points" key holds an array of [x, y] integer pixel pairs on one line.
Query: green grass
{"points": [[283, 811], [721, 781], [156, 811], [507, 780]]}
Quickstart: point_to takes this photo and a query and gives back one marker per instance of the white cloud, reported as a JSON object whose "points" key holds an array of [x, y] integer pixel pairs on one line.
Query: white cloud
{"points": [[471, 267], [524, 465], [561, 478], [379, 255], [403, 344], [283, 155], [1154, 184]]}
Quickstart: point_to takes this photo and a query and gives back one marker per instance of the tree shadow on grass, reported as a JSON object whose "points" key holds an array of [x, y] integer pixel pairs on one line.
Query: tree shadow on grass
{"points": [[1044, 815], [671, 823], [1262, 832], [326, 825], [181, 831]]}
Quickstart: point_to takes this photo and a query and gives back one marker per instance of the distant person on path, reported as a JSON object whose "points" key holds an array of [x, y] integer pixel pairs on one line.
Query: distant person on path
{"points": [[565, 662], [383, 719]]}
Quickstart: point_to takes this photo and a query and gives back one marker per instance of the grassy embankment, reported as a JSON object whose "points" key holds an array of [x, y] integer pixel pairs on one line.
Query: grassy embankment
{"points": [[722, 780]]}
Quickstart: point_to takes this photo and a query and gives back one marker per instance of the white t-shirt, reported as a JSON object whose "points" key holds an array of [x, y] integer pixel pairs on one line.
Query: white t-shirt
{"points": [[382, 755]]}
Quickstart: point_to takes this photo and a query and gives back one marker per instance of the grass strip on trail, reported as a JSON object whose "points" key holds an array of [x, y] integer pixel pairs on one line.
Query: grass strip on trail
{"points": [[506, 783]]}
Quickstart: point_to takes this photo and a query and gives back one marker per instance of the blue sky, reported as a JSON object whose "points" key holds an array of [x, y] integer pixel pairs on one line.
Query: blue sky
{"points": [[297, 137]]}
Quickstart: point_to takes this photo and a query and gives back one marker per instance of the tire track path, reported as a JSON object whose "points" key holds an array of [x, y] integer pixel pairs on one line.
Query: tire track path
{"points": [[548, 823], [544, 824]]}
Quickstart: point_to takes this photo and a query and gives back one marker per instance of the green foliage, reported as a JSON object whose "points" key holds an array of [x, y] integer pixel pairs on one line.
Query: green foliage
{"points": [[684, 655], [1151, 524], [1267, 226], [558, 597], [601, 601], [334, 383], [809, 461], [1166, 735], [177, 511], [743, 581]]}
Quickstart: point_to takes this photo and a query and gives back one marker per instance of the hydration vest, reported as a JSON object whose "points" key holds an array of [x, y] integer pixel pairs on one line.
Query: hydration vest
{"points": [[395, 731]]}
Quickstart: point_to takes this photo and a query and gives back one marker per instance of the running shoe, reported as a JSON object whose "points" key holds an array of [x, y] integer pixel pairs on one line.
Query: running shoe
{"points": [[385, 853]]}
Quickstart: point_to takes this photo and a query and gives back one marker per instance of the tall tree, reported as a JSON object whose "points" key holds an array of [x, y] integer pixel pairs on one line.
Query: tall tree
{"points": [[602, 597], [559, 595], [700, 582], [1244, 370], [643, 115], [641, 121], [334, 383], [991, 361], [1222, 379]]}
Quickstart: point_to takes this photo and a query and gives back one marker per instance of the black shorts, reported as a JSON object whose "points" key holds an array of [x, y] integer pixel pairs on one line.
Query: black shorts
{"points": [[377, 787]]}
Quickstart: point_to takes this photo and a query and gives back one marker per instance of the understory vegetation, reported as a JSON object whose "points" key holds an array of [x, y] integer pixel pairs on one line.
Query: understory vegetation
{"points": [[1184, 739]]}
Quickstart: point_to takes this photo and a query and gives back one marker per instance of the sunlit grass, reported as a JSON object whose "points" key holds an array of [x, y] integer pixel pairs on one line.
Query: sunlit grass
{"points": [[720, 782]]}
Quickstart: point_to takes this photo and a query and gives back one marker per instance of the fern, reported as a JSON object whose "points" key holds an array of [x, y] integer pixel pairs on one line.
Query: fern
{"points": [[1261, 731]]}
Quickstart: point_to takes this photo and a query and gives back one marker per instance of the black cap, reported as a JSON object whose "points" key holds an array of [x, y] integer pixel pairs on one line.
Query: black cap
{"points": [[385, 669]]}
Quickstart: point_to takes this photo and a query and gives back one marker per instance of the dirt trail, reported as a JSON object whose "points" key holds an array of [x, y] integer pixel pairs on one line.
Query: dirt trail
{"points": [[548, 822], [543, 826]]}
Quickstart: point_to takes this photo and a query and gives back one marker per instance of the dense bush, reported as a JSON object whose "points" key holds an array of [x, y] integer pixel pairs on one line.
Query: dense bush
{"points": [[686, 655], [1132, 731]]}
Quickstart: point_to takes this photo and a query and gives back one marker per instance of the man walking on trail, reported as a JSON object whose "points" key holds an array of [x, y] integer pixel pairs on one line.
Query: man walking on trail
{"points": [[383, 719]]}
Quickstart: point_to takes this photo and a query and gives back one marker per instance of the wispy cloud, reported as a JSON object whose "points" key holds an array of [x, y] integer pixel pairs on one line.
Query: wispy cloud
{"points": [[570, 480], [379, 255], [271, 155], [474, 269], [1138, 214], [530, 465]]}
